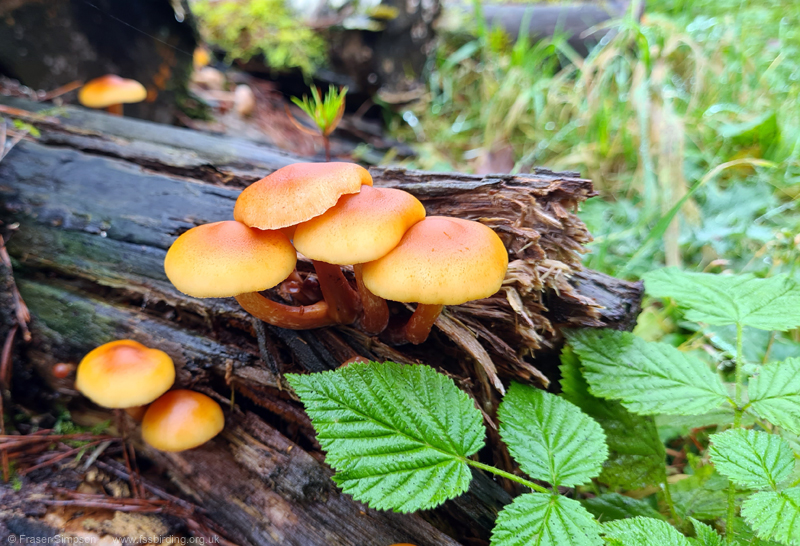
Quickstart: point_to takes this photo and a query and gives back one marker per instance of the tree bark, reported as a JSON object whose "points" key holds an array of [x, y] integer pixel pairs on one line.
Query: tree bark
{"points": [[99, 199]]}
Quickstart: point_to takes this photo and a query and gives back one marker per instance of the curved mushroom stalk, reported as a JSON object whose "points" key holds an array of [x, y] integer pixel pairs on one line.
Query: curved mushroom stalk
{"points": [[374, 310], [286, 316], [344, 303], [418, 327]]}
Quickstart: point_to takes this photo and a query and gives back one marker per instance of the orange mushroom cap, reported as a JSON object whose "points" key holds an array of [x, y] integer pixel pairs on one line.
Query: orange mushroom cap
{"points": [[297, 193], [360, 228], [181, 420], [227, 258], [109, 90], [124, 373], [440, 261]]}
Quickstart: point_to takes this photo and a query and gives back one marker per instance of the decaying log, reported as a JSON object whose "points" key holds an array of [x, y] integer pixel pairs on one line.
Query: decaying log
{"points": [[98, 200]]}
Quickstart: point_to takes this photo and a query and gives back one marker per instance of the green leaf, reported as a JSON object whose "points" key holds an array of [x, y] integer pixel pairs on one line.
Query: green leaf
{"points": [[775, 393], [745, 536], [752, 459], [549, 437], [641, 531], [545, 520], [706, 535], [769, 304], [775, 515], [636, 454], [398, 436], [703, 495], [649, 378], [613, 506]]}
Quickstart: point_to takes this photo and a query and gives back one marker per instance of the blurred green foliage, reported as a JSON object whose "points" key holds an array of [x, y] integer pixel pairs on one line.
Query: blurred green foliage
{"points": [[246, 28], [700, 96]]}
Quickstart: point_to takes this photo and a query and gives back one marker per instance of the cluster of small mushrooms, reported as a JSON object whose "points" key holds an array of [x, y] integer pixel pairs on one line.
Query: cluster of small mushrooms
{"points": [[334, 217], [126, 375]]}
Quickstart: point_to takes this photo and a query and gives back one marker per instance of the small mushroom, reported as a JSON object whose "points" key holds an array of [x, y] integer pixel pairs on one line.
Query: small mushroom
{"points": [[227, 259], [440, 261], [360, 228], [124, 374], [181, 420], [297, 193], [110, 92]]}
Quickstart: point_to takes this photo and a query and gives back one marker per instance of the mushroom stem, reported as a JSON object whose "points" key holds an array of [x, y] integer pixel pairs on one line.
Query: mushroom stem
{"points": [[343, 301], [374, 310], [419, 325], [302, 317], [115, 109]]}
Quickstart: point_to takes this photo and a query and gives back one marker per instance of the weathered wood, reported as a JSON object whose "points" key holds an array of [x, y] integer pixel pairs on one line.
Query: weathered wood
{"points": [[582, 23], [98, 201]]}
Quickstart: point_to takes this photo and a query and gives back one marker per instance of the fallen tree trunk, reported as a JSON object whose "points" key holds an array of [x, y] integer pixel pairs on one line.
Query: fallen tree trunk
{"points": [[95, 203]]}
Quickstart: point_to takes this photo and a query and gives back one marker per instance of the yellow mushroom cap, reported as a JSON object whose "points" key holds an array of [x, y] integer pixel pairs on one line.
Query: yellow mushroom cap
{"points": [[361, 227], [440, 260], [227, 258], [123, 374], [109, 90], [181, 420], [297, 193]]}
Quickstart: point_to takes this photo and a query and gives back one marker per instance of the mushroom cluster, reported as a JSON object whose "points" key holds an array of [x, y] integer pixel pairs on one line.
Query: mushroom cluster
{"points": [[335, 217], [126, 375]]}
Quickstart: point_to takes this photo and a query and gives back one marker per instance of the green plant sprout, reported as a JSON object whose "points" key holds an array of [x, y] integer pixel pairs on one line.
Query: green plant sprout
{"points": [[326, 113], [403, 437]]}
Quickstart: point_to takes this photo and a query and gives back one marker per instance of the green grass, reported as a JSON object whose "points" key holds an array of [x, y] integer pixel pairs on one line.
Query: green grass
{"points": [[700, 97]]}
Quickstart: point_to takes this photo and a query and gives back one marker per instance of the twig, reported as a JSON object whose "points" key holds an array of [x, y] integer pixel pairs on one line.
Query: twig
{"points": [[63, 90]]}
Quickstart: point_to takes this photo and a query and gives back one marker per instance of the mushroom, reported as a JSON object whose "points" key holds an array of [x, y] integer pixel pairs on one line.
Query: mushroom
{"points": [[181, 420], [440, 261], [110, 92], [361, 228], [297, 193], [227, 259], [123, 374]]}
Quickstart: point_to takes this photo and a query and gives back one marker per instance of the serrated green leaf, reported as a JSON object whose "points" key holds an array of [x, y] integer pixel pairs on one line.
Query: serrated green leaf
{"points": [[641, 531], [768, 304], [775, 515], [649, 378], [397, 435], [549, 437], [636, 454], [545, 520], [613, 506], [706, 535], [745, 536], [751, 458], [775, 393]]}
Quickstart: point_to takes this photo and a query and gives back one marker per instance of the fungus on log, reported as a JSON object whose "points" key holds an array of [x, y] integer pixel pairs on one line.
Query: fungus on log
{"points": [[99, 199]]}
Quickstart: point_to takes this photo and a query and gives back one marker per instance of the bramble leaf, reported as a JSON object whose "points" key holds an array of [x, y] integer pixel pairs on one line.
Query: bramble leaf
{"points": [[775, 393], [775, 515], [398, 436], [545, 520], [612, 506], [636, 454], [649, 378], [706, 535], [551, 439], [752, 459], [768, 304], [641, 531]]}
